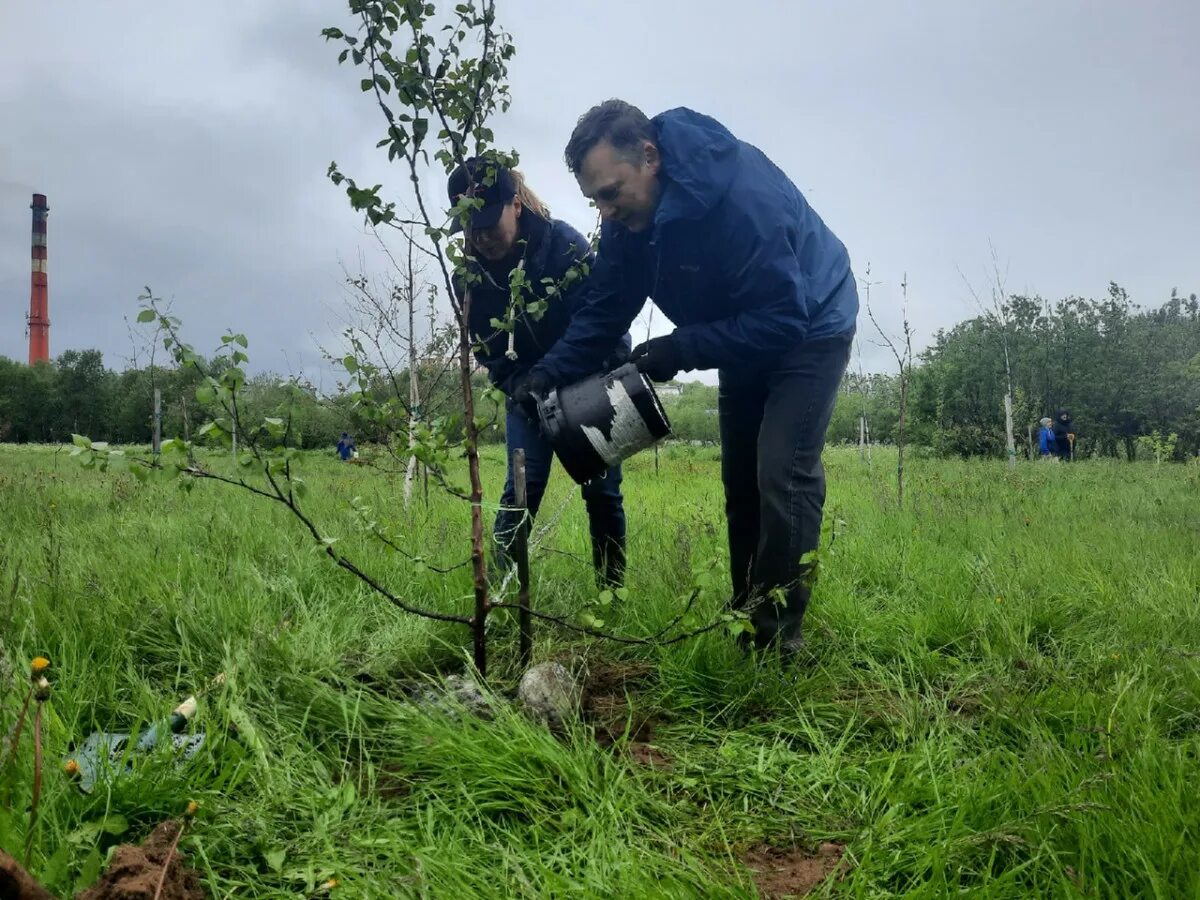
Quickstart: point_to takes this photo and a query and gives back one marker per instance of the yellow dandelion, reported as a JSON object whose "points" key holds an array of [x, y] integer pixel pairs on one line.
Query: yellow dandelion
{"points": [[71, 768], [999, 599], [192, 808], [38, 665]]}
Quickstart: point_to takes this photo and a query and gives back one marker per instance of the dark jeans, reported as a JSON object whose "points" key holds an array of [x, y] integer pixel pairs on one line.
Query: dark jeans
{"points": [[773, 424], [606, 513]]}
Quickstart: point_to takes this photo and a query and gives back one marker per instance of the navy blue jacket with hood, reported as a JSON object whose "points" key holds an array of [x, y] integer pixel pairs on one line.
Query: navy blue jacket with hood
{"points": [[736, 258], [550, 249]]}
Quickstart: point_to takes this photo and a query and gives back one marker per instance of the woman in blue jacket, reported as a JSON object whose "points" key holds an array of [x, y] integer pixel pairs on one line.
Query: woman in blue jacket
{"points": [[514, 229], [1046, 442]]}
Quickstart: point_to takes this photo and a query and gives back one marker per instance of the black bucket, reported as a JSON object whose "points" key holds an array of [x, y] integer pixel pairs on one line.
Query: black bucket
{"points": [[596, 423]]}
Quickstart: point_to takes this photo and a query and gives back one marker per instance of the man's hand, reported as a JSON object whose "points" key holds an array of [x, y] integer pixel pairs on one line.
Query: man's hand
{"points": [[658, 359], [529, 389]]}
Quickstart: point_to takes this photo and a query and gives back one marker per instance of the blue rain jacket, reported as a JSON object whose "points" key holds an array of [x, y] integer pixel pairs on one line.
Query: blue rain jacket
{"points": [[736, 258], [1046, 442], [551, 249]]}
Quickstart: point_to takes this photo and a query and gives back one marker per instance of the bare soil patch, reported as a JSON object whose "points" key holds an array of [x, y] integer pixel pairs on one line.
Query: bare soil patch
{"points": [[782, 872], [17, 884], [134, 871], [648, 755], [606, 703]]}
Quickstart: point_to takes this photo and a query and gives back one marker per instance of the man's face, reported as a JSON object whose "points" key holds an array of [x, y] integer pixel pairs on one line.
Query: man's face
{"points": [[1063, 417], [624, 192]]}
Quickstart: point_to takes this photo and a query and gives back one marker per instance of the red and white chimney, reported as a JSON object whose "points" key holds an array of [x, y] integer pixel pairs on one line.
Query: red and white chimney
{"points": [[39, 286]]}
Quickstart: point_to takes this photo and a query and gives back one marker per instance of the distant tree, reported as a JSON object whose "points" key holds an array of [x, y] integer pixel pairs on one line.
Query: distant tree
{"points": [[1122, 371], [693, 413], [29, 402], [901, 349], [85, 390]]}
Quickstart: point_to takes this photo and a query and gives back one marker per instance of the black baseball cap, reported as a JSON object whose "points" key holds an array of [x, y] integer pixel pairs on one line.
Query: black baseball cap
{"points": [[495, 196]]}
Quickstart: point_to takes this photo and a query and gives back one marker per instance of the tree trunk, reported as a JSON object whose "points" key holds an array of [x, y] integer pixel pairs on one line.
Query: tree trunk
{"points": [[414, 392], [900, 437], [1008, 431], [521, 553], [478, 560], [157, 441], [1010, 446]]}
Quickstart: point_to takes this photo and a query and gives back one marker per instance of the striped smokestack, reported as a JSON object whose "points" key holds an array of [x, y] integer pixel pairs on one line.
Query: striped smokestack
{"points": [[39, 287]]}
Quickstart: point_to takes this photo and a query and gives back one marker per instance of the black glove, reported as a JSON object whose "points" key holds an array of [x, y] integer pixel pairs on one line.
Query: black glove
{"points": [[658, 359], [528, 389]]}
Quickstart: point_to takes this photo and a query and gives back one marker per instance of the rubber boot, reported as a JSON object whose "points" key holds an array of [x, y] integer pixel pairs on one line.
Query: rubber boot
{"points": [[777, 626], [608, 557]]}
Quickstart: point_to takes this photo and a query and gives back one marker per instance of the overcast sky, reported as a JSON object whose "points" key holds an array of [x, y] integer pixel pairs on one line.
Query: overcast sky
{"points": [[184, 146]]}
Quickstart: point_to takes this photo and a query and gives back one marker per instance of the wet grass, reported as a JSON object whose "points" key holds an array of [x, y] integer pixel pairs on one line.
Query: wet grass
{"points": [[1002, 696]]}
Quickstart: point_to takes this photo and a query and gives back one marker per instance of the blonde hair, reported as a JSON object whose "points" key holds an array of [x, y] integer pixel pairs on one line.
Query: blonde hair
{"points": [[529, 200]]}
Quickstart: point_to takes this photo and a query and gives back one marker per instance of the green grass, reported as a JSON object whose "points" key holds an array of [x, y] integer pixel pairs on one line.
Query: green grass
{"points": [[1003, 695]]}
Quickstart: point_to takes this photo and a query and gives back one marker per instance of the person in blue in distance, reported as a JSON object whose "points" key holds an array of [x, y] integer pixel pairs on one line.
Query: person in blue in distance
{"points": [[512, 229], [758, 287], [1047, 445], [345, 447]]}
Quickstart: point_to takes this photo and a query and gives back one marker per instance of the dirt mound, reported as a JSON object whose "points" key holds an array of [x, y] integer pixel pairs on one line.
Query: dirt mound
{"points": [[606, 703], [135, 871], [780, 872], [648, 755], [17, 884]]}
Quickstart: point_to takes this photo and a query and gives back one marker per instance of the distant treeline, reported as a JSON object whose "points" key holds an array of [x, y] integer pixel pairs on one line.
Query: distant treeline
{"points": [[1129, 376], [48, 402], [1123, 372], [1126, 374]]}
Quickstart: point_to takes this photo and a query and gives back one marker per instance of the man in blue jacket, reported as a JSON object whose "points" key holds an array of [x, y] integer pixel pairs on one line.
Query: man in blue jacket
{"points": [[758, 287]]}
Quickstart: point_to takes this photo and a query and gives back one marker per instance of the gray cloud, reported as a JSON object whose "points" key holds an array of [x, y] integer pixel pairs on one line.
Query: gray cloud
{"points": [[187, 148]]}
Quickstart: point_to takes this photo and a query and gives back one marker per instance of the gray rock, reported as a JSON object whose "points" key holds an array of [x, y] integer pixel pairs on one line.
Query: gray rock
{"points": [[456, 693], [549, 693]]}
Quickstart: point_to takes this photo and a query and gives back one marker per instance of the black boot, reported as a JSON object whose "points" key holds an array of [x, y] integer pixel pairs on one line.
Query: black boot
{"points": [[777, 625], [608, 558]]}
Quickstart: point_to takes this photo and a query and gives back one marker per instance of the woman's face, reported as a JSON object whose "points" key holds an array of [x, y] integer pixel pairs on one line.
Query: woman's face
{"points": [[497, 242]]}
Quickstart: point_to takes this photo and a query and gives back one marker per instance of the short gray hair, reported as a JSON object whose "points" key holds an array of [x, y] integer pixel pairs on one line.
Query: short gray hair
{"points": [[621, 124]]}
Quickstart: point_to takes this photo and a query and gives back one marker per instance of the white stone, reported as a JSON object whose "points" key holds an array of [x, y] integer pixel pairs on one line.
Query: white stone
{"points": [[455, 693], [549, 693]]}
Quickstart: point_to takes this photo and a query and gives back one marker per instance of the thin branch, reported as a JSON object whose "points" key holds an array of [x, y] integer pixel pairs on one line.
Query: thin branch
{"points": [[489, 16], [383, 538], [287, 499], [687, 607], [162, 878], [564, 623]]}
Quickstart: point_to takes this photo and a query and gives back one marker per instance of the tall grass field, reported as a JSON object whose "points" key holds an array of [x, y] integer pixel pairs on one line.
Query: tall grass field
{"points": [[1000, 694]]}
